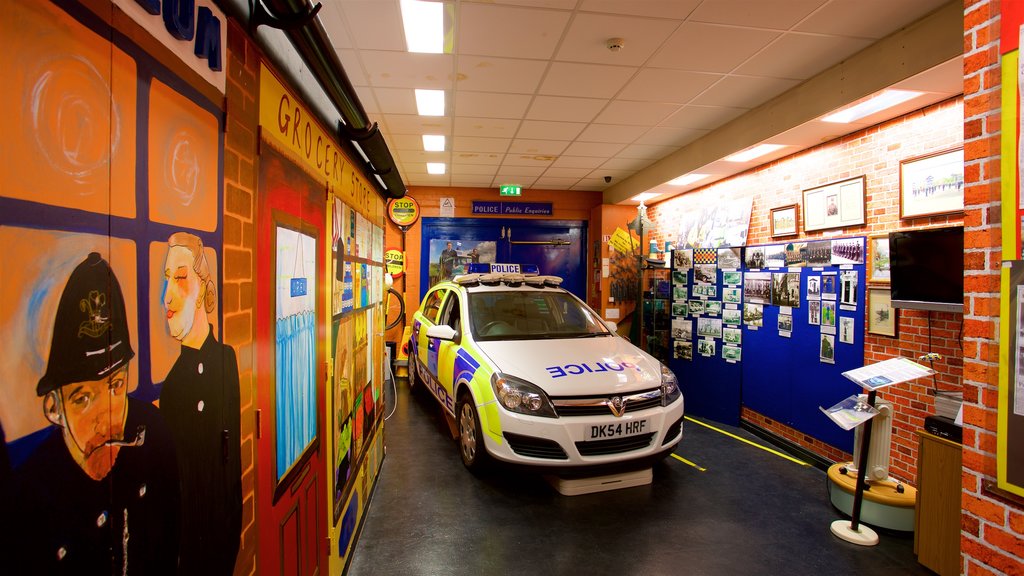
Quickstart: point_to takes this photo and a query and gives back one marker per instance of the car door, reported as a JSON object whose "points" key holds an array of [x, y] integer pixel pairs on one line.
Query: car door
{"points": [[426, 353], [450, 315]]}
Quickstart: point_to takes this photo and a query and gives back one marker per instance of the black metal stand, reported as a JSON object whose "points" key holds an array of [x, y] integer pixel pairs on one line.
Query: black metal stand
{"points": [[862, 465]]}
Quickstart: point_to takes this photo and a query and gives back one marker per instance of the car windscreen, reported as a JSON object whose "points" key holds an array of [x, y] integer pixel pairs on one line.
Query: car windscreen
{"points": [[531, 315]]}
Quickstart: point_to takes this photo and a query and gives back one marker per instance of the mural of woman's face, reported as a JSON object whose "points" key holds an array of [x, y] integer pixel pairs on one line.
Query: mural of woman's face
{"points": [[181, 293], [94, 414]]}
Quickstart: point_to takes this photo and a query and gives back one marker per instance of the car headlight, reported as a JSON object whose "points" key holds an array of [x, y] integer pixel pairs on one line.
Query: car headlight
{"points": [[669, 386], [520, 396]]}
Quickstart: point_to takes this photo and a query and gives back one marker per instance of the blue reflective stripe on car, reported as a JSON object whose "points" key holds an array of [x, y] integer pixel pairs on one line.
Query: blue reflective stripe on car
{"points": [[465, 366]]}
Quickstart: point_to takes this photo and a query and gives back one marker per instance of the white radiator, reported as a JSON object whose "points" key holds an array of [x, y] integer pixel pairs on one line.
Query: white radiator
{"points": [[881, 442]]}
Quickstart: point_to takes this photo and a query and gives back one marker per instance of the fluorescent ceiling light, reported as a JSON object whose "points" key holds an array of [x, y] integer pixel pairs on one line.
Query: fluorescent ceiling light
{"points": [[433, 143], [435, 167], [686, 179], [430, 102], [424, 26], [886, 99], [645, 196], [755, 152]]}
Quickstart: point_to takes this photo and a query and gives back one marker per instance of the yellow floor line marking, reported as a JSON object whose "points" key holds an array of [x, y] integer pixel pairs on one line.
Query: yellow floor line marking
{"points": [[754, 444], [685, 461]]}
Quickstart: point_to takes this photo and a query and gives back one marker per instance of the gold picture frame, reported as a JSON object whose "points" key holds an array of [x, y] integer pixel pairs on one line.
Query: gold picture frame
{"points": [[784, 221]]}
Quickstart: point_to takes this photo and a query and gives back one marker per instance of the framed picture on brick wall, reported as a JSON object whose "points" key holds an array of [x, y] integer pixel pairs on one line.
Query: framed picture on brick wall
{"points": [[932, 184], [784, 221], [882, 317], [836, 205], [878, 259]]}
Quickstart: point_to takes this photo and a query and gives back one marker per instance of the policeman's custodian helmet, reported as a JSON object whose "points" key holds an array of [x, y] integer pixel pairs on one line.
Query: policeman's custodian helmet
{"points": [[90, 331]]}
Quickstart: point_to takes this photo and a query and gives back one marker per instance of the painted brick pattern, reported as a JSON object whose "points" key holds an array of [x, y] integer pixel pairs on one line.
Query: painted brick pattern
{"points": [[875, 152], [239, 266], [992, 529]]}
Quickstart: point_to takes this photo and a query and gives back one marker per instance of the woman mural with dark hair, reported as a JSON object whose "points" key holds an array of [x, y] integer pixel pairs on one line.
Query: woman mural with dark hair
{"points": [[200, 402]]}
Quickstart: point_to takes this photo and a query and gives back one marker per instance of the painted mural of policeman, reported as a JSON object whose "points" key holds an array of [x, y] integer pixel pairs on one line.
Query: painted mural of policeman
{"points": [[99, 495]]}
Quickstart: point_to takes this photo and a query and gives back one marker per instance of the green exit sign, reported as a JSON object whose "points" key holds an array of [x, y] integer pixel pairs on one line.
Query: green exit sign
{"points": [[510, 190]]}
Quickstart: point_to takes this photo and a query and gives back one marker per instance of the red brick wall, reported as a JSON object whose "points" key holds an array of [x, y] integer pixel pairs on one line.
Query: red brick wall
{"points": [[875, 152], [239, 244], [992, 528]]}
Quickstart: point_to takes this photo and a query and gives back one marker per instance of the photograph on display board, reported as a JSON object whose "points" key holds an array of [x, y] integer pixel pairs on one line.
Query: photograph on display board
{"points": [[754, 257], [679, 291], [775, 256], [680, 308], [706, 347], [705, 290], [732, 316], [709, 327], [732, 295], [819, 253], [682, 329], [705, 274], [732, 353], [814, 312], [450, 257], [848, 287], [682, 259], [827, 350], [828, 286], [785, 323], [753, 315], [732, 335], [729, 258], [713, 307], [679, 277], [828, 313], [682, 350], [705, 256], [696, 307], [846, 330], [786, 289], [814, 288], [848, 251], [732, 278], [757, 287], [796, 254]]}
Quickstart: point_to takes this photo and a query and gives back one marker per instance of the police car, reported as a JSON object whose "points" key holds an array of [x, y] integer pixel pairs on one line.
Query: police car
{"points": [[531, 375]]}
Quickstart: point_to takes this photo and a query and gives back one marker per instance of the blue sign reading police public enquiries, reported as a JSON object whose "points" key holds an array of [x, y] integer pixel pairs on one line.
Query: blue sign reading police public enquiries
{"points": [[512, 208]]}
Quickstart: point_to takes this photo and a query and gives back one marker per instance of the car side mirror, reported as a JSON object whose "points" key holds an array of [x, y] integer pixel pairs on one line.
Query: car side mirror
{"points": [[441, 331]]}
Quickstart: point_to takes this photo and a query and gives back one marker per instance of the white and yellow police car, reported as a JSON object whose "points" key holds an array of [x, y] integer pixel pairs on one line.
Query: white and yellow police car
{"points": [[533, 376]]}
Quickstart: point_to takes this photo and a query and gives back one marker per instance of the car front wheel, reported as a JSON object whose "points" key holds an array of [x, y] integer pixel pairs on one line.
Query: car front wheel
{"points": [[471, 441]]}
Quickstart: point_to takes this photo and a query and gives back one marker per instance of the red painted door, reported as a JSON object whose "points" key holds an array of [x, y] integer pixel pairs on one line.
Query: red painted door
{"points": [[290, 317]]}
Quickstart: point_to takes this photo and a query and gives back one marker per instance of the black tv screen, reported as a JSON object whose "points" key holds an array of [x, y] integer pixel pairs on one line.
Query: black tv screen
{"points": [[927, 269]]}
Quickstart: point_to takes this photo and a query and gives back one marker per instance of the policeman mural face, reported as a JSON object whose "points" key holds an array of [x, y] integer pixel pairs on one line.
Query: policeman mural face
{"points": [[92, 415], [182, 295]]}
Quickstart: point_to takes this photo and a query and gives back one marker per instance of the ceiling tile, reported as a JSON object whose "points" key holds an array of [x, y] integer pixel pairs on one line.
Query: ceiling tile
{"points": [[757, 13], [560, 108], [578, 162], [528, 160], [395, 100], [486, 127], [537, 147], [605, 149], [482, 158], [491, 104], [618, 133], [473, 144], [569, 79], [586, 40], [635, 113], [472, 181], [373, 26], [550, 183], [334, 24], [616, 175], [406, 142], [567, 172], [506, 75], [664, 85], [646, 151], [352, 67], [414, 124], [676, 9], [632, 164], [545, 130], [591, 184], [404, 70], [677, 137], [521, 171], [798, 56], [367, 99], [744, 91], [702, 117], [489, 30], [420, 158], [459, 168], [866, 18], [561, 4], [429, 180], [710, 47]]}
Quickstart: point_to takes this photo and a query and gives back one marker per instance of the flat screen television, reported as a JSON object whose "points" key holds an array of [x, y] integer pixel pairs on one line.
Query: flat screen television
{"points": [[927, 269]]}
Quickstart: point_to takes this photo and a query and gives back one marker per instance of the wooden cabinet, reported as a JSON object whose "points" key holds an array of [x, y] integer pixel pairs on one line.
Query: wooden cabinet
{"points": [[937, 524]]}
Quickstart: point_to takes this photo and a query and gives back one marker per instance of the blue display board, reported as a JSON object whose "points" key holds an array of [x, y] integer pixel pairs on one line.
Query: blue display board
{"points": [[785, 375]]}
